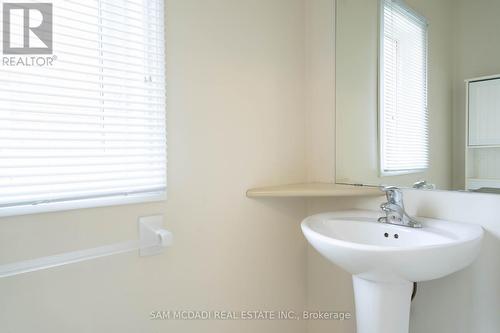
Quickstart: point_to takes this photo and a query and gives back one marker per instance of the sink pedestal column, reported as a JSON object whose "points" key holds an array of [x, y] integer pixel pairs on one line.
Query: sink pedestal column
{"points": [[382, 307]]}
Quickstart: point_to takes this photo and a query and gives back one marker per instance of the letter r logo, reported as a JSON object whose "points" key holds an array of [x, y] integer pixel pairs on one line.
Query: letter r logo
{"points": [[27, 28]]}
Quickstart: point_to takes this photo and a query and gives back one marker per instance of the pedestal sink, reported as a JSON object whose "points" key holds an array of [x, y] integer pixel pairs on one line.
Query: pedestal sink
{"points": [[386, 259]]}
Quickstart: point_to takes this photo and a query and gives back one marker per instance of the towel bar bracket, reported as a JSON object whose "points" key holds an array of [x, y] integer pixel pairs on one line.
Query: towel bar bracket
{"points": [[153, 238]]}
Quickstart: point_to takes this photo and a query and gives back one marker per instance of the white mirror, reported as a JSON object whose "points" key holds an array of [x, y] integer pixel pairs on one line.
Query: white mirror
{"points": [[418, 94]]}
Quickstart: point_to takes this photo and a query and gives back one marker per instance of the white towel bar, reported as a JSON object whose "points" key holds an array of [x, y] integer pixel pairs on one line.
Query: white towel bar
{"points": [[153, 239]]}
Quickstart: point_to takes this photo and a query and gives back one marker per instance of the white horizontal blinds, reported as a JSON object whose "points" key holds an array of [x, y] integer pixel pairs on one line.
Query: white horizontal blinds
{"points": [[93, 124], [404, 115]]}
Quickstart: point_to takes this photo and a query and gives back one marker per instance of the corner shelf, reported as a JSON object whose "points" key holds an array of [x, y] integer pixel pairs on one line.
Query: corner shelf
{"points": [[311, 190]]}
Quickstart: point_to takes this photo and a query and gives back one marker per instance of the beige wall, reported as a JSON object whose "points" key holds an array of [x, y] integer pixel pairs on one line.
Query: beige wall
{"points": [[320, 89], [235, 120], [357, 96]]}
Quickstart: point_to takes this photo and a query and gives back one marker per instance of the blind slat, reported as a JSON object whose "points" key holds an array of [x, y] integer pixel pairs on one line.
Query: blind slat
{"points": [[81, 105], [150, 86], [110, 116], [103, 123]]}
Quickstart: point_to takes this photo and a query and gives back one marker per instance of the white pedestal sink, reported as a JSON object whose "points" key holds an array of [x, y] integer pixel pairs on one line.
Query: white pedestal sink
{"points": [[386, 259]]}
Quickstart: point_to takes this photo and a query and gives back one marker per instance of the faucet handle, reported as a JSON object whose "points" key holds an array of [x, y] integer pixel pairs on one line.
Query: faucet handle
{"points": [[393, 194], [389, 188]]}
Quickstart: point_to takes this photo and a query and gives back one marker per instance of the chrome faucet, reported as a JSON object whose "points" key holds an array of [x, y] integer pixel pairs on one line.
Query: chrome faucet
{"points": [[424, 185], [394, 209]]}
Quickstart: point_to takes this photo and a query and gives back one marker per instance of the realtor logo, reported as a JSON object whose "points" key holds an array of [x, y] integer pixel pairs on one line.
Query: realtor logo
{"points": [[27, 28]]}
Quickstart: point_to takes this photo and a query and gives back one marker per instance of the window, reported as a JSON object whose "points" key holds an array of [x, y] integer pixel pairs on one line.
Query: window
{"points": [[403, 114], [86, 127]]}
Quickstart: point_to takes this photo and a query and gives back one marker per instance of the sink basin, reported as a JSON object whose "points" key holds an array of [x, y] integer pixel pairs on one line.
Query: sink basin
{"points": [[386, 259], [355, 241]]}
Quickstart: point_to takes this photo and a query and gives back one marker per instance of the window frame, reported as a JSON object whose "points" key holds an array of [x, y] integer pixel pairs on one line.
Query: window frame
{"points": [[57, 206]]}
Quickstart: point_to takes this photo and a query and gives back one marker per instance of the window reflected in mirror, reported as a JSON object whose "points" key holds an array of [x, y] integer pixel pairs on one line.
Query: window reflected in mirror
{"points": [[404, 133]]}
